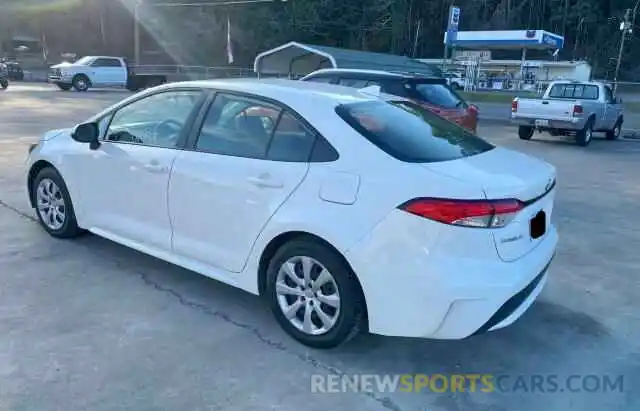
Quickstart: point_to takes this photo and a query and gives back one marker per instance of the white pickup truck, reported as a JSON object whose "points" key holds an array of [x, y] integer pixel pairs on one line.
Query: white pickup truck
{"points": [[101, 71], [570, 108]]}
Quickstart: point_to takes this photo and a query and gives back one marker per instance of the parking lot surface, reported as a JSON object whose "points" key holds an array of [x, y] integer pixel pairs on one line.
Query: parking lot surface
{"points": [[88, 324]]}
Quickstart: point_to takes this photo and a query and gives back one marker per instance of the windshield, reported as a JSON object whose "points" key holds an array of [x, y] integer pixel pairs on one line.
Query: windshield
{"points": [[440, 95], [84, 61], [410, 133]]}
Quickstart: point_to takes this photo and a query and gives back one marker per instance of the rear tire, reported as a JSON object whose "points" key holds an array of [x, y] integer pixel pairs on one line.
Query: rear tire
{"points": [[338, 301], [614, 134], [584, 136], [525, 132], [53, 205], [81, 82]]}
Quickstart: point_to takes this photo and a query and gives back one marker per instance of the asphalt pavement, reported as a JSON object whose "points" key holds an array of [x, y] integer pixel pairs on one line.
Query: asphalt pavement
{"points": [[90, 325]]}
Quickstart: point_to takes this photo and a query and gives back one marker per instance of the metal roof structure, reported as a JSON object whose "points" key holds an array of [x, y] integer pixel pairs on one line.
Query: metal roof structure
{"points": [[299, 59]]}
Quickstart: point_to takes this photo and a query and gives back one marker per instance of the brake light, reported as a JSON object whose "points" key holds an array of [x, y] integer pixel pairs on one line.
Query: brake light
{"points": [[578, 110], [514, 106], [466, 213]]}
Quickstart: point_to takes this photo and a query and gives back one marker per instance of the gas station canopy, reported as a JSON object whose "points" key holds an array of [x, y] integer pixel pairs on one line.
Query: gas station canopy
{"points": [[507, 39]]}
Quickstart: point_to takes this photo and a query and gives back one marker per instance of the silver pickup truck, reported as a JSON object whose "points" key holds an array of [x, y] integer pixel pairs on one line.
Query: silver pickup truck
{"points": [[570, 108]]}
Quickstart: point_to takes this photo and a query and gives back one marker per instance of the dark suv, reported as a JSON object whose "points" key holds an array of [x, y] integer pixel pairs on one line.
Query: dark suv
{"points": [[431, 93]]}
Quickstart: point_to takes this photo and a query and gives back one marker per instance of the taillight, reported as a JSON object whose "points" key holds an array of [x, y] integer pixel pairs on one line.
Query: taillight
{"points": [[578, 110], [514, 106], [466, 213]]}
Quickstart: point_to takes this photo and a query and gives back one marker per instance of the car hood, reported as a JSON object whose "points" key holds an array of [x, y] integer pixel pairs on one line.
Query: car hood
{"points": [[62, 65]]}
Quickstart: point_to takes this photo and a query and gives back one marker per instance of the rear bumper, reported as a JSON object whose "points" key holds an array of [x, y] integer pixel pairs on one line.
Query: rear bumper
{"points": [[574, 124], [419, 285]]}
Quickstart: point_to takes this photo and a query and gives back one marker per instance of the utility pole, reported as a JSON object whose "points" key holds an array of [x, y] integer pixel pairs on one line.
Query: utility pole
{"points": [[625, 28]]}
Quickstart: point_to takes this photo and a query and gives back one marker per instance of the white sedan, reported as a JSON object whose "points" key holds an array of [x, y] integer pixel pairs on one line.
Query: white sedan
{"points": [[346, 209]]}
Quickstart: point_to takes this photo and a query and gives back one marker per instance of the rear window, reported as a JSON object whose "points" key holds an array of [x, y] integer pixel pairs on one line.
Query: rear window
{"points": [[410, 133], [434, 93], [577, 91]]}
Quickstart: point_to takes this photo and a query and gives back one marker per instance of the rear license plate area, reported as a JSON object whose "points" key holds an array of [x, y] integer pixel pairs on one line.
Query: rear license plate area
{"points": [[542, 123], [538, 225]]}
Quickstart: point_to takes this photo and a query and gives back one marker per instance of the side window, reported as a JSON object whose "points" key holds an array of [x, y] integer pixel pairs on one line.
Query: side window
{"points": [[353, 82], [396, 88], [291, 141], [608, 94], [157, 120], [106, 63], [374, 83], [238, 126]]}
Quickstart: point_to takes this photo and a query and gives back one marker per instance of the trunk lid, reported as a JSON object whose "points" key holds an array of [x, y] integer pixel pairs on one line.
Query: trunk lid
{"points": [[506, 174]]}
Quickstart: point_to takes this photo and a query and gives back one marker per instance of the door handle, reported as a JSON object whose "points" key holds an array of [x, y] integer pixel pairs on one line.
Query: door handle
{"points": [[156, 168], [264, 182]]}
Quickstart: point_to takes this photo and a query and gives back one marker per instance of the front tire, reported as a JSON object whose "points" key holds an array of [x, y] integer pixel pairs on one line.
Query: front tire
{"points": [[525, 132], [314, 295], [81, 82], [53, 205], [64, 87]]}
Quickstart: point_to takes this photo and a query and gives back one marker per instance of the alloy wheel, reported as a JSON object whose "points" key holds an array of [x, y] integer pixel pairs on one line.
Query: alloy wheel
{"points": [[308, 295], [50, 204]]}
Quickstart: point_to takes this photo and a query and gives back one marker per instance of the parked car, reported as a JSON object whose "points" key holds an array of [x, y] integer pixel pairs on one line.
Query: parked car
{"points": [[454, 80], [570, 108], [14, 69], [101, 71], [432, 93], [4, 76], [372, 214]]}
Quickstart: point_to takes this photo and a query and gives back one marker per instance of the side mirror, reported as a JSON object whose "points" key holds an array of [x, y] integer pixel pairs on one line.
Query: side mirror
{"points": [[87, 133]]}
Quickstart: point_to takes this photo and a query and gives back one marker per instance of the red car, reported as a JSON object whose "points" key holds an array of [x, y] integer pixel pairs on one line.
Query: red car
{"points": [[430, 92]]}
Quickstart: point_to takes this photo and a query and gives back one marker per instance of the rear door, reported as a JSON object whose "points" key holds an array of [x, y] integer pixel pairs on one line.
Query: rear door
{"points": [[109, 72], [246, 158]]}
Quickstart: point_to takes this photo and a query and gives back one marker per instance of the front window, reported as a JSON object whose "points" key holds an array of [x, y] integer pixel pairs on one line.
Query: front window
{"points": [[411, 133], [85, 61], [157, 120]]}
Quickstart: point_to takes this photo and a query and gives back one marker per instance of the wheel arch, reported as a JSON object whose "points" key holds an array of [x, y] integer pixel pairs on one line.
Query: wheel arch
{"points": [[278, 241], [33, 173]]}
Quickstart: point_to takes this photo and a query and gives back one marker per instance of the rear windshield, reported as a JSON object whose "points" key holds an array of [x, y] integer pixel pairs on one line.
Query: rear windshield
{"points": [[440, 95], [577, 91], [410, 133]]}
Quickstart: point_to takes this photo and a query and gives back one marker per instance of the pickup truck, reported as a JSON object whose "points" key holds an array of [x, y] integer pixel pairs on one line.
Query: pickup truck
{"points": [[101, 71], [570, 108]]}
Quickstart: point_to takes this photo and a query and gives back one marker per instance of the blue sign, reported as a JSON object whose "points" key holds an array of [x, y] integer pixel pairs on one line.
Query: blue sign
{"points": [[452, 25], [552, 41]]}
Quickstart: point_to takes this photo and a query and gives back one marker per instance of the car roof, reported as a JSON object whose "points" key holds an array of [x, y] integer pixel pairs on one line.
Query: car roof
{"points": [[287, 91], [381, 73]]}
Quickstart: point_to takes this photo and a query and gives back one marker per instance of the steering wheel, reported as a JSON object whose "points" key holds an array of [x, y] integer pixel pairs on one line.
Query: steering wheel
{"points": [[167, 131]]}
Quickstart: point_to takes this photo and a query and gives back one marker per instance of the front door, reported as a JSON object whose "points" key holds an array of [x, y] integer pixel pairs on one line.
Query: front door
{"points": [[249, 157], [612, 109], [124, 182]]}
